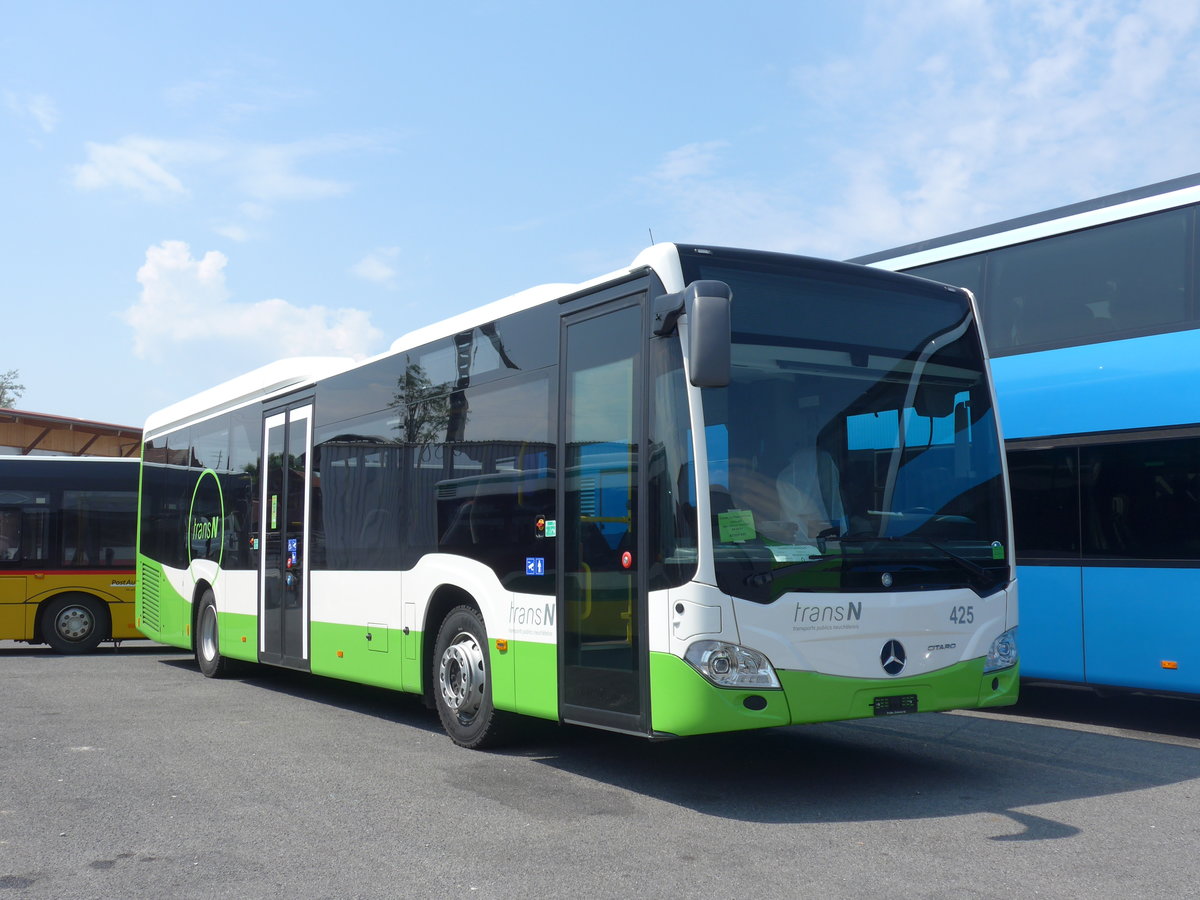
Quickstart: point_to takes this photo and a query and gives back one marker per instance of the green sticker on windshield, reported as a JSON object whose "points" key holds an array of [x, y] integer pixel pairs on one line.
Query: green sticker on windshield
{"points": [[997, 550], [736, 526]]}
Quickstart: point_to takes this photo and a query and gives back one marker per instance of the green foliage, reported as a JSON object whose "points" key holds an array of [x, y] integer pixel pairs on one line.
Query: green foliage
{"points": [[10, 390]]}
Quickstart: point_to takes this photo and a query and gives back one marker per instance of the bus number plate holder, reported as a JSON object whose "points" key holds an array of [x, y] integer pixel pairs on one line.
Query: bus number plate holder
{"points": [[895, 706]]}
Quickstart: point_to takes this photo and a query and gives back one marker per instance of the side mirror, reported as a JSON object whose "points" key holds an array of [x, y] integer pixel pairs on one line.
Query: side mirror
{"points": [[706, 304]]}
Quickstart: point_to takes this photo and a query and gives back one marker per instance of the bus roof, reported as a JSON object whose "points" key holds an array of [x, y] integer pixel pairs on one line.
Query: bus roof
{"points": [[289, 374], [1125, 204], [261, 382], [662, 258]]}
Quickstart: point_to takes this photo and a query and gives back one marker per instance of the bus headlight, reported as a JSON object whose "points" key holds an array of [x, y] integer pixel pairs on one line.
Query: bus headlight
{"points": [[1003, 652], [731, 666]]}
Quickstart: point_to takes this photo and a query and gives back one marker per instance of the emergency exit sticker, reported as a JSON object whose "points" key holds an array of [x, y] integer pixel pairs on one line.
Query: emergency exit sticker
{"points": [[997, 550]]}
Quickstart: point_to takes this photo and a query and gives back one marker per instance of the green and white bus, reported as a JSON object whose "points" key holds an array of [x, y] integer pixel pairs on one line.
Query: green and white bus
{"points": [[716, 490]]}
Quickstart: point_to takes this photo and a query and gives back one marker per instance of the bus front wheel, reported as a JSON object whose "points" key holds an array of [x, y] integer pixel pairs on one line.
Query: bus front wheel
{"points": [[75, 623], [462, 681], [206, 642]]}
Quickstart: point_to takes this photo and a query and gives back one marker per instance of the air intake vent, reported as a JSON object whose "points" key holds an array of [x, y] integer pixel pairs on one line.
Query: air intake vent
{"points": [[148, 587]]}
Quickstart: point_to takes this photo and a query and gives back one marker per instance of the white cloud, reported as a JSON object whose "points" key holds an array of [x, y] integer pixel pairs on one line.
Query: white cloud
{"points": [[234, 232], [39, 107], [377, 266], [261, 173], [140, 164], [185, 300], [969, 113], [268, 173], [233, 92], [689, 161]]}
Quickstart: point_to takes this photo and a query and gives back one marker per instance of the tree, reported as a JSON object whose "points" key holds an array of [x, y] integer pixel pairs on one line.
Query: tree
{"points": [[10, 391]]}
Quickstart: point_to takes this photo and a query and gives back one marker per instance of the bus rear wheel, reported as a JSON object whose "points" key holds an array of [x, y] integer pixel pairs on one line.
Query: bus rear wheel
{"points": [[462, 685], [206, 641], [75, 623]]}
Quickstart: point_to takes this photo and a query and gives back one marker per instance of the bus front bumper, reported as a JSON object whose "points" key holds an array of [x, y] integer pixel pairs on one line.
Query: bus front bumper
{"points": [[684, 703]]}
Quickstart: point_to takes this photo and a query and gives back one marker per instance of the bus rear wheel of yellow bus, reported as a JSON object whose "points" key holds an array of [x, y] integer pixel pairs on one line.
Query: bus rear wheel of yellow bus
{"points": [[75, 623]]}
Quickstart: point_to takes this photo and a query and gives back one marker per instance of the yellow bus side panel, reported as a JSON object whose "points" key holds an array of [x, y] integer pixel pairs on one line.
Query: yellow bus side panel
{"points": [[22, 595]]}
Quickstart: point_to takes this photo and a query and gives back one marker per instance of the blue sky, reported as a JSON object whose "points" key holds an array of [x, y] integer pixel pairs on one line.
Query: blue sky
{"points": [[191, 191]]}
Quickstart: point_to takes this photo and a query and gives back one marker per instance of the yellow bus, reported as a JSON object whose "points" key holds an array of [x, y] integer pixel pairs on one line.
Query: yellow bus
{"points": [[68, 530]]}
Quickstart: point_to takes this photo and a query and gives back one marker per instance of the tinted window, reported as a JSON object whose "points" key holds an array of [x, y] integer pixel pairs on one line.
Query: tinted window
{"points": [[1138, 500], [99, 528], [499, 480], [240, 489], [363, 513], [24, 525], [671, 479], [210, 444], [10, 534], [468, 472], [967, 272], [1045, 502], [522, 342], [1074, 288], [1142, 500], [166, 498]]}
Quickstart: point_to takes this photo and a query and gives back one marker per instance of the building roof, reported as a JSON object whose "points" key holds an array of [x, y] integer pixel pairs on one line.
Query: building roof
{"points": [[29, 432]]}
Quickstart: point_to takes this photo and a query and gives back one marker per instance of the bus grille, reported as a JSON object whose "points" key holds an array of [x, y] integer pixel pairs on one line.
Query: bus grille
{"points": [[148, 585]]}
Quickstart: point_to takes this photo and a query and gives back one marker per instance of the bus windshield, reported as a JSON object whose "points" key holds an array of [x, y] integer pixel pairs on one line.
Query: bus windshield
{"points": [[855, 448]]}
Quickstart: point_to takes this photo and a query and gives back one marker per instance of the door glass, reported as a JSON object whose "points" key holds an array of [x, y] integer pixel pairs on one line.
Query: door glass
{"points": [[295, 553], [601, 664], [284, 621], [272, 544]]}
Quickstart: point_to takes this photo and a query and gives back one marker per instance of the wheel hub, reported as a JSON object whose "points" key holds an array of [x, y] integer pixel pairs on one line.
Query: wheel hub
{"points": [[461, 676], [74, 623], [208, 633]]}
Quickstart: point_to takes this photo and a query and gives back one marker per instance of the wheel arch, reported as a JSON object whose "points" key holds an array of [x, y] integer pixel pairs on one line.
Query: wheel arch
{"points": [[39, 616]]}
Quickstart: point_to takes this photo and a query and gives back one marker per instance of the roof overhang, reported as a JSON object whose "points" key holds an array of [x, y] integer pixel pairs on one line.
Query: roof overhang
{"points": [[29, 432]]}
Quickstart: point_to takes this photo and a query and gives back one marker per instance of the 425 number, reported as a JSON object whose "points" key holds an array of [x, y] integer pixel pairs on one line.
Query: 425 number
{"points": [[962, 615]]}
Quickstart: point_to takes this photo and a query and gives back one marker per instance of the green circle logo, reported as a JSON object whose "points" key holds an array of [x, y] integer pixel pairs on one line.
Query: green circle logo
{"points": [[206, 519]]}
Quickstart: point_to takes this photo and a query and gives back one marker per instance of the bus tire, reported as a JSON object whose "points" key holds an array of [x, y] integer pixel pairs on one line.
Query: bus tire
{"points": [[75, 623], [462, 684], [206, 642]]}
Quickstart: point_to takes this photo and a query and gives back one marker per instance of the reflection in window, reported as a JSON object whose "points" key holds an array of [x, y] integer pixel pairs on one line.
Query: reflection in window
{"points": [[1045, 502], [98, 528], [468, 472], [1142, 500], [672, 471], [10, 534], [1124, 278], [1137, 500]]}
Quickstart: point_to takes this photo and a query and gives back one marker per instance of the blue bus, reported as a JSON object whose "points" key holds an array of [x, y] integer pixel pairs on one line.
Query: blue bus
{"points": [[1091, 314]]}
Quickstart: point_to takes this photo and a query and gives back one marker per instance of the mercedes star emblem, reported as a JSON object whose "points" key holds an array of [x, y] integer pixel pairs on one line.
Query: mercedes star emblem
{"points": [[893, 657]]}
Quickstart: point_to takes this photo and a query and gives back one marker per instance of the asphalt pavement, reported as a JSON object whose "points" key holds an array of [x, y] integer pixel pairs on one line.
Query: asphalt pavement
{"points": [[128, 774]]}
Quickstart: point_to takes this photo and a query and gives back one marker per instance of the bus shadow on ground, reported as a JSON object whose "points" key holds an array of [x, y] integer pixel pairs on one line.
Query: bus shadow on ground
{"points": [[380, 703], [908, 767], [125, 648], [919, 767]]}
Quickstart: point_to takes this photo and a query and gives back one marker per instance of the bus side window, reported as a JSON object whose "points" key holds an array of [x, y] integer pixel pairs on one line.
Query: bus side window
{"points": [[10, 534], [35, 534]]}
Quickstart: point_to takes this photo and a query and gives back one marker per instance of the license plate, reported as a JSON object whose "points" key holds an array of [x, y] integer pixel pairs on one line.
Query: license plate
{"points": [[895, 706]]}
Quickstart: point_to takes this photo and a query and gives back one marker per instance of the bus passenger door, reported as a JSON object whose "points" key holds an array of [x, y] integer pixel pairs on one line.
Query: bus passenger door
{"points": [[283, 565], [602, 589]]}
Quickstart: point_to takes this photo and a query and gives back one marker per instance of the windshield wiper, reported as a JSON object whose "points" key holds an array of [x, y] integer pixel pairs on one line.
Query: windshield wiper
{"points": [[761, 579], [969, 564]]}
